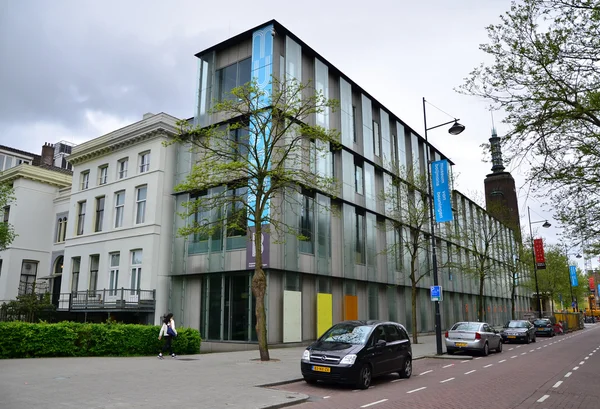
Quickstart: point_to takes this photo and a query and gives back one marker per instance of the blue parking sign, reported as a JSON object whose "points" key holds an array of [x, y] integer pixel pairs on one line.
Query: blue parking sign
{"points": [[436, 293]]}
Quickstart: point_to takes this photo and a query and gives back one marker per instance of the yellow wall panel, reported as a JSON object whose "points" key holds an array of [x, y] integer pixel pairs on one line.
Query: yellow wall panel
{"points": [[324, 313], [350, 307]]}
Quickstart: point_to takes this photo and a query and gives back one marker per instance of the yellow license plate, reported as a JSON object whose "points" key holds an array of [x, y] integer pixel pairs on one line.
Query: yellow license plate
{"points": [[512, 336], [460, 344], [321, 369]]}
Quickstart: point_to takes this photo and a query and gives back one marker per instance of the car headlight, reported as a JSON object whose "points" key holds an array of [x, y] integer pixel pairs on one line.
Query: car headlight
{"points": [[348, 360], [306, 355]]}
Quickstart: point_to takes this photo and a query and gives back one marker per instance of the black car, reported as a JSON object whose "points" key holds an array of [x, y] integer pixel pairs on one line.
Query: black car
{"points": [[518, 330], [353, 352], [544, 326]]}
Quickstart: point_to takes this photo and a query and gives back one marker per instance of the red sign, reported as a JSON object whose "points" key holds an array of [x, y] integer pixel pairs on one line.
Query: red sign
{"points": [[538, 249], [592, 284]]}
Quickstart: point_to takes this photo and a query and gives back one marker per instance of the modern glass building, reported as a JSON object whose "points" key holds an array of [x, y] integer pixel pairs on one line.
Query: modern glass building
{"points": [[343, 270]]}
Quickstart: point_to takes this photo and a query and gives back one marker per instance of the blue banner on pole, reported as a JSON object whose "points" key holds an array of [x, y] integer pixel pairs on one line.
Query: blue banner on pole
{"points": [[573, 274], [442, 199]]}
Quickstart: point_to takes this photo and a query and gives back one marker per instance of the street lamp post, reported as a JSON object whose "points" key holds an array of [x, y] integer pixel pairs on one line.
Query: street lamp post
{"points": [[537, 290], [455, 129]]}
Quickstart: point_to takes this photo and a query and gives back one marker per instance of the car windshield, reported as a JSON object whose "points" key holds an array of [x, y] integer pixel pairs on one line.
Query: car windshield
{"points": [[466, 326], [347, 334], [517, 324], [541, 322]]}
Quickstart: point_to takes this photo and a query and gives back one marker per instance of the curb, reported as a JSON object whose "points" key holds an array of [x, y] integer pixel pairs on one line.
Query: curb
{"points": [[278, 383], [287, 403]]}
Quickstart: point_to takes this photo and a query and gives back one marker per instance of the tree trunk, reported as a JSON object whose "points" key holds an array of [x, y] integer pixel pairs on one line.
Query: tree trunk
{"points": [[259, 289], [481, 307], [414, 311], [512, 303]]}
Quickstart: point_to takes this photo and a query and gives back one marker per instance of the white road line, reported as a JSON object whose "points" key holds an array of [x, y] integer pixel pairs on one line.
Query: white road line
{"points": [[426, 372], [582, 362], [504, 360], [591, 354], [533, 350], [447, 380], [478, 358], [326, 397], [519, 346], [557, 384], [523, 353], [587, 357], [539, 348], [466, 360], [466, 373], [448, 366], [568, 374], [511, 349], [375, 403], [417, 390], [398, 380], [543, 398], [487, 366], [545, 346], [576, 368], [513, 356]]}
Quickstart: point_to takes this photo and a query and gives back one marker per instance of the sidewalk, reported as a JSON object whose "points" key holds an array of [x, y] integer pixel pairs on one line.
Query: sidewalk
{"points": [[216, 380]]}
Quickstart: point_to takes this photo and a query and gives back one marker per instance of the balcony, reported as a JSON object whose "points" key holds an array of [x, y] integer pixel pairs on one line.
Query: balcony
{"points": [[107, 300]]}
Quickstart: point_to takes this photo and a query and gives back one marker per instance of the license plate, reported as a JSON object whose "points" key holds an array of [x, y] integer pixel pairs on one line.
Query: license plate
{"points": [[460, 344], [512, 336], [321, 369]]}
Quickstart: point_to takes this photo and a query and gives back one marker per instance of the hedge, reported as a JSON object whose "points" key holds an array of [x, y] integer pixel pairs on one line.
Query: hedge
{"points": [[26, 340]]}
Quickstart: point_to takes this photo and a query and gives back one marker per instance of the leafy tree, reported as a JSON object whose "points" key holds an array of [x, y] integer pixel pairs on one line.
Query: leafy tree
{"points": [[7, 232], [253, 163], [544, 73]]}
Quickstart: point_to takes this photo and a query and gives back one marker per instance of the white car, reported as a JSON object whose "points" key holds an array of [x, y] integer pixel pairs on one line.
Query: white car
{"points": [[474, 337]]}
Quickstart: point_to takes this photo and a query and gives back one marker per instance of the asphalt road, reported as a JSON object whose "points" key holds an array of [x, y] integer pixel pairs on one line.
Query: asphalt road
{"points": [[559, 372]]}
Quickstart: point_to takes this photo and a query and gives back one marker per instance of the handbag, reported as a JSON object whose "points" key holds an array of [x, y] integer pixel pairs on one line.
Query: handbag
{"points": [[170, 331]]}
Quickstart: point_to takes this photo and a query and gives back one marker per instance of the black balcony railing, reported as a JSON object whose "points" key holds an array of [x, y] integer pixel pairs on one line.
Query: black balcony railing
{"points": [[121, 299]]}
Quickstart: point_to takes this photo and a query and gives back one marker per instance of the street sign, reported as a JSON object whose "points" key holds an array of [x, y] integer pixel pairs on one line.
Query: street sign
{"points": [[573, 304], [436, 293]]}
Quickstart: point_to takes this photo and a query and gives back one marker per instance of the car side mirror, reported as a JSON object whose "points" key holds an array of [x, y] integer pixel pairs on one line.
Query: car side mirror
{"points": [[381, 343]]}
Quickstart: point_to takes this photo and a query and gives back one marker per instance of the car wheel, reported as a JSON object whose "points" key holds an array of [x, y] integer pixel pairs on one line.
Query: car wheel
{"points": [[450, 351], [364, 377], [406, 371], [533, 340], [309, 380], [527, 339], [553, 334], [499, 349], [486, 349]]}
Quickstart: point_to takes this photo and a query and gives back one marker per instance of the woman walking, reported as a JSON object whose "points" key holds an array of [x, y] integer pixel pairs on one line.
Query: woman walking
{"points": [[168, 331]]}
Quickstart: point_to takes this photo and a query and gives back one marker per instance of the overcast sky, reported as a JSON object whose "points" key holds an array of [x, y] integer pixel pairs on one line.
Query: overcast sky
{"points": [[74, 70]]}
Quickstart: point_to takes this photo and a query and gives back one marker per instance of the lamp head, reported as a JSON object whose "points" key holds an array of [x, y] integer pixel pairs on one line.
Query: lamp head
{"points": [[456, 128], [546, 224], [578, 256]]}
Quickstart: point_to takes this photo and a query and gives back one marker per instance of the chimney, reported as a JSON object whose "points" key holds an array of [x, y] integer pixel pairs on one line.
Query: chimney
{"points": [[148, 115], [48, 154]]}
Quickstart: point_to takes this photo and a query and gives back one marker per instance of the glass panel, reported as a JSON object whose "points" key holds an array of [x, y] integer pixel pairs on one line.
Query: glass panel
{"points": [[322, 86], [367, 123], [306, 244], [386, 152], [401, 146], [370, 186], [346, 111], [239, 307], [293, 60], [214, 307], [416, 160]]}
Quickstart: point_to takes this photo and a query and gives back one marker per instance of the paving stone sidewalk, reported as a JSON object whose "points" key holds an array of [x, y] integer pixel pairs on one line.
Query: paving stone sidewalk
{"points": [[212, 381]]}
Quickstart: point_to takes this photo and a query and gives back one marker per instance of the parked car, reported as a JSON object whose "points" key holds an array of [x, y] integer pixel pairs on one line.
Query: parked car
{"points": [[354, 352], [544, 326], [518, 330], [473, 336]]}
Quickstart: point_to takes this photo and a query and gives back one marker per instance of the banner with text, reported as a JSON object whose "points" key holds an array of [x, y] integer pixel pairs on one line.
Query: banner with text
{"points": [[573, 274], [538, 249], [442, 199]]}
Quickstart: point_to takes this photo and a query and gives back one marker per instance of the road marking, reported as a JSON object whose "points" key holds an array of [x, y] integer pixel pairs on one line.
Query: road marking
{"points": [[545, 346], [587, 357], [417, 390], [582, 362], [487, 366], [326, 397], [519, 346], [539, 348], [504, 360], [511, 349], [557, 384], [398, 380], [466, 373], [543, 398], [375, 403], [591, 354], [513, 357], [478, 358], [533, 350], [448, 366], [568, 374], [447, 380], [523, 353], [466, 360], [426, 372], [576, 368]]}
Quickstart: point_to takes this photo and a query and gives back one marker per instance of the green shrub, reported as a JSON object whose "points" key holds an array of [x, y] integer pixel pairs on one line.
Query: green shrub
{"points": [[26, 340]]}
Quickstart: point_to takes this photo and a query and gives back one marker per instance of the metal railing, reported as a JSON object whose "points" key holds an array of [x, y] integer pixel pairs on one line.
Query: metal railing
{"points": [[121, 299]]}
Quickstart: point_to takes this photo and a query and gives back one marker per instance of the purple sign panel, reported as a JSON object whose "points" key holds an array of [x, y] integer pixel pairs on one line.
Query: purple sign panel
{"points": [[251, 248]]}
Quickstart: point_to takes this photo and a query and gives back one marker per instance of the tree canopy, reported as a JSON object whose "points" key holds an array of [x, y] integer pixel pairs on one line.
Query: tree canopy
{"points": [[544, 74], [7, 232]]}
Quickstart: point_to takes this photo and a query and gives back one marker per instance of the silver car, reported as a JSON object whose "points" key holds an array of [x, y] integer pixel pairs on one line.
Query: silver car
{"points": [[473, 336]]}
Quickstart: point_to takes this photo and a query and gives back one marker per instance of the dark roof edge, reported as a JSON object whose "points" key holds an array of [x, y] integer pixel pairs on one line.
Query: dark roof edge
{"points": [[19, 151], [283, 30]]}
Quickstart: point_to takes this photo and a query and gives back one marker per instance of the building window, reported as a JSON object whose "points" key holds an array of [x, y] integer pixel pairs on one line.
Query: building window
{"points": [[28, 274], [376, 139], [99, 213], [144, 162], [394, 149], [359, 240], [353, 122], [398, 249], [75, 265], [85, 180], [359, 179], [312, 159], [93, 286], [140, 204], [114, 274], [307, 219], [136, 270], [119, 208], [6, 214], [232, 76], [103, 173], [61, 229], [80, 217], [122, 168]]}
